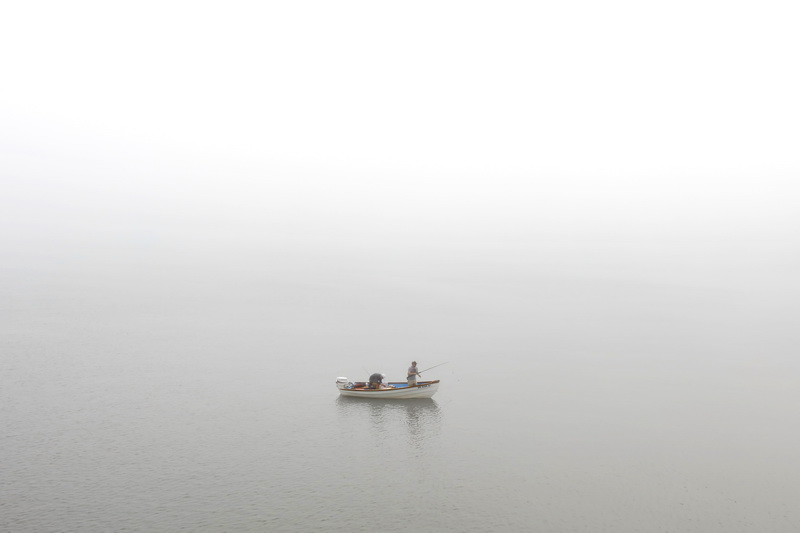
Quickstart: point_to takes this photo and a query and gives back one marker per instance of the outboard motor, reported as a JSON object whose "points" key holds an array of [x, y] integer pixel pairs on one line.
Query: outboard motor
{"points": [[343, 383]]}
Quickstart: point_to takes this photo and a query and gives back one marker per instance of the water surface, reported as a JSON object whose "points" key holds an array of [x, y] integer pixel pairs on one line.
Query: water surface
{"points": [[202, 398]]}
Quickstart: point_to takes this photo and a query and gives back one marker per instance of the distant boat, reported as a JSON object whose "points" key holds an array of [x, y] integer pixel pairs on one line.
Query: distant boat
{"points": [[399, 390]]}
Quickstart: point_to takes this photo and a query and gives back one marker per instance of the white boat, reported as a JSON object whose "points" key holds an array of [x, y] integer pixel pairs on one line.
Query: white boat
{"points": [[395, 390]]}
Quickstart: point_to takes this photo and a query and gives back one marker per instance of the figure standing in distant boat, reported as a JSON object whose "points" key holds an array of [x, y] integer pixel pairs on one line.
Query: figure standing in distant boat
{"points": [[412, 374], [376, 381]]}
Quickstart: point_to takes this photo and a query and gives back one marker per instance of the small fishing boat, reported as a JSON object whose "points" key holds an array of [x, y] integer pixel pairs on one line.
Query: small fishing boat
{"points": [[395, 390]]}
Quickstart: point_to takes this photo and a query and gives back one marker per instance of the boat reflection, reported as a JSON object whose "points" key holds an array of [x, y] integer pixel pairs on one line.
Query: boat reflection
{"points": [[421, 418]]}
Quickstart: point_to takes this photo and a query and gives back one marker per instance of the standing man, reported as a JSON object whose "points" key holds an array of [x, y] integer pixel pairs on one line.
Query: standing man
{"points": [[412, 374]]}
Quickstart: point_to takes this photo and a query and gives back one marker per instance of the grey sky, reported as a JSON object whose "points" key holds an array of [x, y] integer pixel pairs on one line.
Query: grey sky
{"points": [[456, 122]]}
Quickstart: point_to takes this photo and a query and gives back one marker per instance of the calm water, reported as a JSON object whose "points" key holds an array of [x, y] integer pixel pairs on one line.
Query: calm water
{"points": [[202, 398]]}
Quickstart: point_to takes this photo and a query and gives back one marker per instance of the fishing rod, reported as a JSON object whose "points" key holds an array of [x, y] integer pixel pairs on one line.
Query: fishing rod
{"points": [[431, 368]]}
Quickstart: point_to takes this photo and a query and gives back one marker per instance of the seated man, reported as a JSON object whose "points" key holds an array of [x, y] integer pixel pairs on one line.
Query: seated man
{"points": [[378, 381]]}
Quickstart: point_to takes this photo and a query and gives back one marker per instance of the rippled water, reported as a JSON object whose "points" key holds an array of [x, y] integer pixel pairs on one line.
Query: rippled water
{"points": [[567, 404]]}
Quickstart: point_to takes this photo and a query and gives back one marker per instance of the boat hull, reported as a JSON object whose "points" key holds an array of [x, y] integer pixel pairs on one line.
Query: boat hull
{"points": [[423, 389]]}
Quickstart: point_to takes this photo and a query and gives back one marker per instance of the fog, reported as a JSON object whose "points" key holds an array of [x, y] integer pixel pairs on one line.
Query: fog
{"points": [[422, 126], [651, 144], [203, 205], [169, 145]]}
